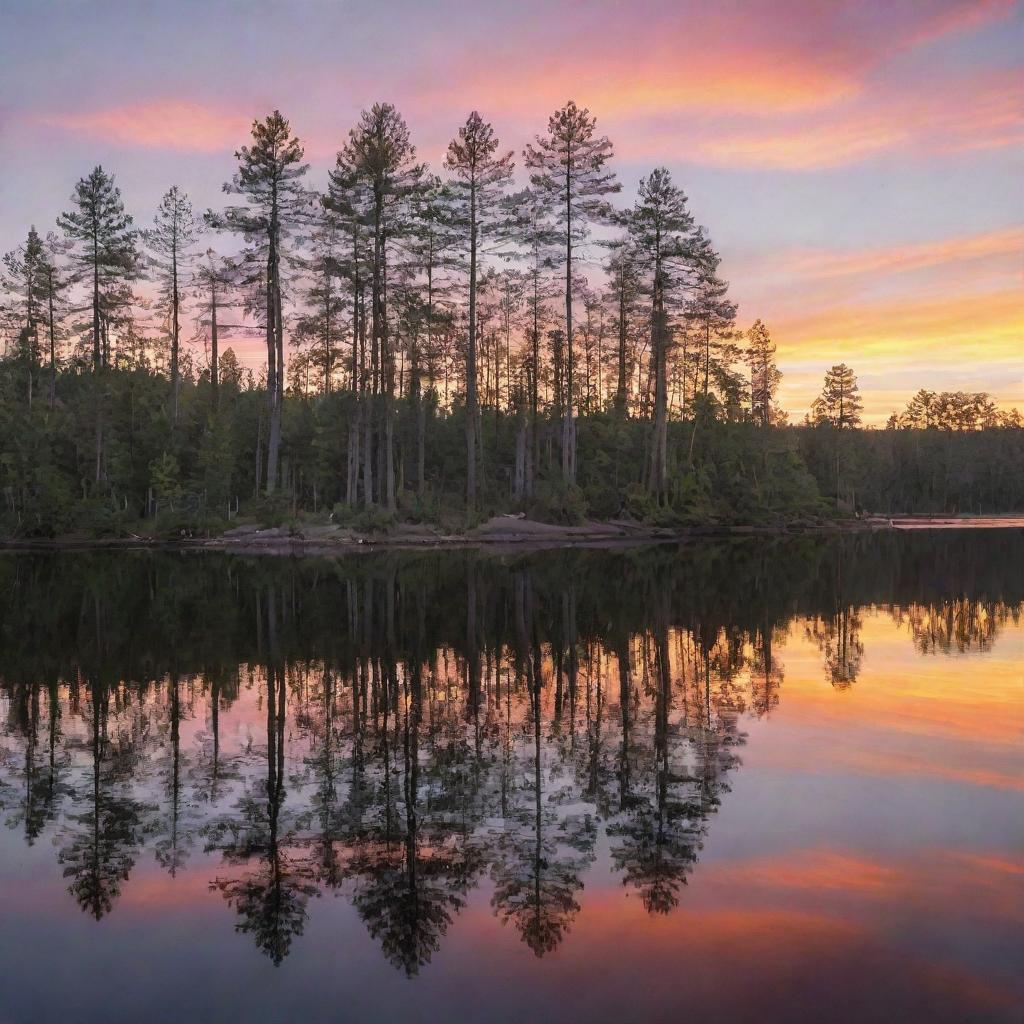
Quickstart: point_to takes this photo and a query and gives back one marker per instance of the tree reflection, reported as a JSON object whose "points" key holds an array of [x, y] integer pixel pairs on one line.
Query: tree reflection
{"points": [[678, 781], [397, 732], [959, 625], [838, 639], [544, 847], [34, 804], [100, 842], [271, 891]]}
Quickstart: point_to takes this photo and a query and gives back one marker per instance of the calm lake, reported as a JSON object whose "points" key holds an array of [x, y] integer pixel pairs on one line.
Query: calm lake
{"points": [[761, 780]]}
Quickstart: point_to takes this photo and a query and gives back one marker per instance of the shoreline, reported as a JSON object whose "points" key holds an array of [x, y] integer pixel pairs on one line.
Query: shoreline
{"points": [[500, 534]]}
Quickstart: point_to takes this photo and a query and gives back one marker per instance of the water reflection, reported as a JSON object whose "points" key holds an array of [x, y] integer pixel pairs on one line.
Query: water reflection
{"points": [[400, 733]]}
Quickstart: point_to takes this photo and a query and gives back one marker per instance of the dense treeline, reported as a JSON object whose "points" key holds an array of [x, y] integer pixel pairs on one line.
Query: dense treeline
{"points": [[437, 346]]}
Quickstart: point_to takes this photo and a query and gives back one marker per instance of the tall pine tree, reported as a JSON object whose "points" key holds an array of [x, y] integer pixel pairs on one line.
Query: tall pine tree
{"points": [[567, 168], [169, 241], [269, 181], [480, 177]]}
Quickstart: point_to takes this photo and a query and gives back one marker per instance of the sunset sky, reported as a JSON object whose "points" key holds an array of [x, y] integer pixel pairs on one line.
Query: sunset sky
{"points": [[860, 165]]}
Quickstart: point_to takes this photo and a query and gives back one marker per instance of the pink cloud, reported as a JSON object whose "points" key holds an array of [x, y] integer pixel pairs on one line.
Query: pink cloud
{"points": [[687, 56], [159, 124]]}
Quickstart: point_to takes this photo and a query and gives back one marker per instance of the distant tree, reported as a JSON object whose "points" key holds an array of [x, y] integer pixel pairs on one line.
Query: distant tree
{"points": [[623, 291], [921, 410], [24, 281], [230, 370], [56, 286], [169, 240], [321, 326], [103, 248], [839, 403], [712, 316], [213, 283], [764, 374], [952, 410], [434, 251], [480, 176], [530, 226], [567, 168]]}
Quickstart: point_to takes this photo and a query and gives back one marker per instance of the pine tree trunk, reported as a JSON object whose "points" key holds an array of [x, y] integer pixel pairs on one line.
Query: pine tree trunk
{"points": [[53, 340], [471, 394], [659, 440], [175, 336], [519, 484], [273, 407], [621, 392], [214, 354], [568, 421]]}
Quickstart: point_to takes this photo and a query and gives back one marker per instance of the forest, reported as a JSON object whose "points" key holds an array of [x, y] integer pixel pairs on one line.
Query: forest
{"points": [[441, 346]]}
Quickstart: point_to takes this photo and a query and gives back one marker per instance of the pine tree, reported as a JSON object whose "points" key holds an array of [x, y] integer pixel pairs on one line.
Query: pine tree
{"points": [[480, 177], [169, 240], [839, 403], [104, 249], [711, 315], [349, 199], [268, 179], [214, 285], [434, 251], [530, 225], [667, 249], [568, 170], [56, 286], [24, 279], [622, 272], [321, 327], [380, 156], [764, 374]]}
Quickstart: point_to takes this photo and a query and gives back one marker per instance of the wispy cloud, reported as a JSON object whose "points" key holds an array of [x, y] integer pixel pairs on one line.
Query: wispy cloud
{"points": [[822, 264], [158, 124], [977, 113]]}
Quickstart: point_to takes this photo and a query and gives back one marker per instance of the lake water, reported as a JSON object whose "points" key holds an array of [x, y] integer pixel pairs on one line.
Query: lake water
{"points": [[758, 781]]}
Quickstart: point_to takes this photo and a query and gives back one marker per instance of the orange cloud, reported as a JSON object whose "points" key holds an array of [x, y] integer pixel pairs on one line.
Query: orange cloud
{"points": [[950, 329], [160, 124], [824, 264], [976, 116]]}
